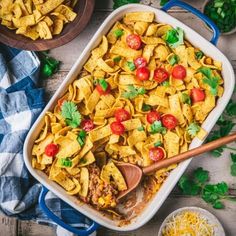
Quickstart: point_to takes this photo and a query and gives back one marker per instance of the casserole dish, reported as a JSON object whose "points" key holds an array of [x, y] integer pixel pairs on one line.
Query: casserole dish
{"points": [[170, 182]]}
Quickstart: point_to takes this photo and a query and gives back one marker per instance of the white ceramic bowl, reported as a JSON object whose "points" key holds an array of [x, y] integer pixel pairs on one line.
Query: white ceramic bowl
{"points": [[218, 228], [156, 202], [226, 33]]}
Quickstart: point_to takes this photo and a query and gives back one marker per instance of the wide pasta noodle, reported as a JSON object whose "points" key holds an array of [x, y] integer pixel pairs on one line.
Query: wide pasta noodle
{"points": [[79, 148]]}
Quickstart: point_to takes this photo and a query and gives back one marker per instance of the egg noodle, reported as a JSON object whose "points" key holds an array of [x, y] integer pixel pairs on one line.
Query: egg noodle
{"points": [[141, 97]]}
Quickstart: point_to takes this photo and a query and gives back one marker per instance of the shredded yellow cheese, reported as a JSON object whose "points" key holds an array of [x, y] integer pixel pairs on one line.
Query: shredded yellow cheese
{"points": [[188, 223]]}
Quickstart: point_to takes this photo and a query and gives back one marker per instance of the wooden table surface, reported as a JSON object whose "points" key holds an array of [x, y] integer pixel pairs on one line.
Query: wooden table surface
{"points": [[219, 168]]}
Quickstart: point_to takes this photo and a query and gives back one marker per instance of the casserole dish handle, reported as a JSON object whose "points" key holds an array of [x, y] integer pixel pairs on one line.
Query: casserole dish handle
{"points": [[81, 232], [209, 22]]}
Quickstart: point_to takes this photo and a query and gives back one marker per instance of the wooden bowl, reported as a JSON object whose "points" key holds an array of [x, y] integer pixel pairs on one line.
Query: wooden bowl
{"points": [[84, 10]]}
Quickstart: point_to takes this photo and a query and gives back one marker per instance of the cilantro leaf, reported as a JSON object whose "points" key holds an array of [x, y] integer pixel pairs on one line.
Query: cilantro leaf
{"points": [[210, 79], [188, 186], [193, 129], [133, 92], [186, 99], [70, 113], [156, 127], [174, 37], [233, 169], [119, 3], [200, 175]]}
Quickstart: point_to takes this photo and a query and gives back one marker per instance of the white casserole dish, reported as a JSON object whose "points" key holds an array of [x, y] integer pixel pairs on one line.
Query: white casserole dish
{"points": [[158, 199]]}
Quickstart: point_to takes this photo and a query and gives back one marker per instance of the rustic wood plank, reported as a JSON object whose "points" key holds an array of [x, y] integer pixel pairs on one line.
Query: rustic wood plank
{"points": [[8, 226], [226, 217], [29, 228]]}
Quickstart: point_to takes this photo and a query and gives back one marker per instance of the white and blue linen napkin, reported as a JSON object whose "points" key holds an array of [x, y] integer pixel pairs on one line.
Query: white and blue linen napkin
{"points": [[20, 104]]}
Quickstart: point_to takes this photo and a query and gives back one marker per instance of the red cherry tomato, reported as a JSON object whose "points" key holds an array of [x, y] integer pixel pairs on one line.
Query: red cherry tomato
{"points": [[101, 91], [61, 101], [134, 41], [169, 121], [160, 75], [140, 62], [117, 128], [153, 116], [142, 73], [179, 72], [51, 149], [197, 95], [87, 125], [122, 115], [156, 154]]}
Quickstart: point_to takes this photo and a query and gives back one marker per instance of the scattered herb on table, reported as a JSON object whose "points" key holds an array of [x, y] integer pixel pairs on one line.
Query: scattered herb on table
{"points": [[210, 79], [156, 127], [119, 3], [223, 13], [133, 92], [163, 2], [233, 165], [174, 37], [197, 184], [71, 114], [49, 65]]}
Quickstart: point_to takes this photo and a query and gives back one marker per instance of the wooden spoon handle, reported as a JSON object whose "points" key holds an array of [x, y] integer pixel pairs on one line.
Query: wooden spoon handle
{"points": [[189, 154]]}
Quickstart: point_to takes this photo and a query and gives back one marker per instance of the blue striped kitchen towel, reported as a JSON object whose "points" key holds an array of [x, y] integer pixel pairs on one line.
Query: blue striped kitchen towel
{"points": [[20, 104]]}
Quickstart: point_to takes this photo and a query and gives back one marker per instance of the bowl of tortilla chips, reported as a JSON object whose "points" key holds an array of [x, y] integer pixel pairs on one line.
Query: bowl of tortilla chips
{"points": [[42, 24]]}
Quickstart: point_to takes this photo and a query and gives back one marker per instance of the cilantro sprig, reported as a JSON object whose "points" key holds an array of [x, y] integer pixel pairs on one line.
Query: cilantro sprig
{"points": [[49, 65], [119, 3], [174, 37], [156, 127], [197, 184], [210, 79], [133, 92], [71, 114], [233, 165], [193, 129]]}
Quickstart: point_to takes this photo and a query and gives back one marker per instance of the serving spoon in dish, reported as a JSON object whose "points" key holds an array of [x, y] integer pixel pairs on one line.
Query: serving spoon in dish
{"points": [[133, 174]]}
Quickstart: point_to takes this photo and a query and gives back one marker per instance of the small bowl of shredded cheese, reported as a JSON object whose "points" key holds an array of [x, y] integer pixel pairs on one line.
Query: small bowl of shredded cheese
{"points": [[191, 221]]}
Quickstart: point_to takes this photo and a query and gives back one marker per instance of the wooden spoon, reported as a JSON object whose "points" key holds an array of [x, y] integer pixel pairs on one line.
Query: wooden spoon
{"points": [[133, 174]]}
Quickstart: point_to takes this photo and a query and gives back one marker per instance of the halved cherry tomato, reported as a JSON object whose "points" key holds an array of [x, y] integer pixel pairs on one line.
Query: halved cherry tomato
{"points": [[51, 149], [197, 95], [117, 128], [156, 154], [142, 73], [179, 72], [160, 75], [101, 91], [140, 62], [87, 125], [169, 121], [122, 115], [153, 116], [134, 41]]}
